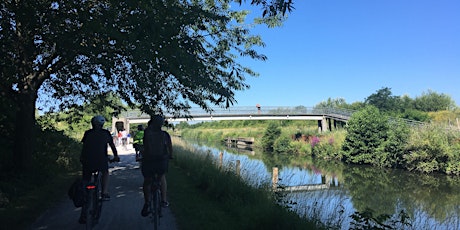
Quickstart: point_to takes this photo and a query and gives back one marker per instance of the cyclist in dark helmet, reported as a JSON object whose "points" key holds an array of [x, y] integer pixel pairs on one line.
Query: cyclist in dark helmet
{"points": [[94, 154], [157, 152]]}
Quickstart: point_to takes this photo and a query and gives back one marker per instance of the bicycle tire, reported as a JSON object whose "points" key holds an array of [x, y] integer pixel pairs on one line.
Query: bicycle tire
{"points": [[98, 199], [89, 210], [155, 208]]}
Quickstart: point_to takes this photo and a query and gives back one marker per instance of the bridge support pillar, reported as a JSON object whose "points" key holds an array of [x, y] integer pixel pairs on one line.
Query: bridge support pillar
{"points": [[324, 125]]}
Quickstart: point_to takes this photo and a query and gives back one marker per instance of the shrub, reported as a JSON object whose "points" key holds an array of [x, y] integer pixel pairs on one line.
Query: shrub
{"points": [[427, 150], [391, 153], [283, 145], [366, 131], [272, 133]]}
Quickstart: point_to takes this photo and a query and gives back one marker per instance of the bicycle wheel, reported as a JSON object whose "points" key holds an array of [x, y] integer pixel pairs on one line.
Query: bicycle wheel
{"points": [[98, 200], [156, 206], [89, 210]]}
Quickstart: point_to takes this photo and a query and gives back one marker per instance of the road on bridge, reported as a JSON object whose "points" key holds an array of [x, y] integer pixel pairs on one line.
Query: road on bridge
{"points": [[123, 211]]}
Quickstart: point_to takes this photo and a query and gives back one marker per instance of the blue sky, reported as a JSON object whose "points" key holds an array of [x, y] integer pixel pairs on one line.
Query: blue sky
{"points": [[350, 49]]}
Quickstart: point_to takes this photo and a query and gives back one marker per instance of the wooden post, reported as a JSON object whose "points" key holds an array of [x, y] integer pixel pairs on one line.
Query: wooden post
{"points": [[238, 167], [275, 178], [221, 159]]}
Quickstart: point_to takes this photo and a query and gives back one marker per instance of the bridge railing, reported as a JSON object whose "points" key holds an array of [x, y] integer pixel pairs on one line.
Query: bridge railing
{"points": [[267, 110], [334, 113]]}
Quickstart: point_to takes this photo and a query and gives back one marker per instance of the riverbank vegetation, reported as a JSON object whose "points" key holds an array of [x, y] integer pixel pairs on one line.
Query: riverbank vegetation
{"points": [[377, 134], [212, 197]]}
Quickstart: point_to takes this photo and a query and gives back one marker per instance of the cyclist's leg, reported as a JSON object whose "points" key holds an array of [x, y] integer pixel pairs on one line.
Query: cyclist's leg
{"points": [[104, 168], [136, 150], [146, 189], [164, 185], [164, 190], [147, 173]]}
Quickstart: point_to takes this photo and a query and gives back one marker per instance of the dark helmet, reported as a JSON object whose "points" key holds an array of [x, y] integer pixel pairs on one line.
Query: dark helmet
{"points": [[140, 127], [156, 121], [97, 121]]}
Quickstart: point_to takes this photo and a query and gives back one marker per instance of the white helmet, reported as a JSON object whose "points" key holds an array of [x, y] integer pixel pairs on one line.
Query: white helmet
{"points": [[97, 121]]}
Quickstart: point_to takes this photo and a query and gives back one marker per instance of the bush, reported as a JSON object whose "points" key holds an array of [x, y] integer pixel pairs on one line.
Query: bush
{"points": [[391, 153], [431, 149], [366, 131], [272, 133], [283, 145]]}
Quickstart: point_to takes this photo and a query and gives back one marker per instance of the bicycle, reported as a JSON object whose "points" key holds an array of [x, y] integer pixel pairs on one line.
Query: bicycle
{"points": [[93, 199], [92, 205], [155, 204]]}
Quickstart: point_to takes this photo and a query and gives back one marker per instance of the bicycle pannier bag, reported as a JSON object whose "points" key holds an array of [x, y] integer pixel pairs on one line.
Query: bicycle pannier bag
{"points": [[76, 192]]}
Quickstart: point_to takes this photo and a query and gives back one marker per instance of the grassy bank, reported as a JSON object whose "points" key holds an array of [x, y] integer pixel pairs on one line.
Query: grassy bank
{"points": [[205, 197]]}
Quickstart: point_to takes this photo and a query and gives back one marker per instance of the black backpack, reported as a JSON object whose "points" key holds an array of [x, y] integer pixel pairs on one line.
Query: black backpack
{"points": [[155, 145], [76, 192]]}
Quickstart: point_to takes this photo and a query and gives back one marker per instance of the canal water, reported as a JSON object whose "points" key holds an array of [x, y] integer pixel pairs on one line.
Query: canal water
{"points": [[420, 201]]}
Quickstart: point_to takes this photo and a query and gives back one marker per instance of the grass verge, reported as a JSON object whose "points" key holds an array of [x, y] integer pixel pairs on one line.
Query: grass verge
{"points": [[205, 197]]}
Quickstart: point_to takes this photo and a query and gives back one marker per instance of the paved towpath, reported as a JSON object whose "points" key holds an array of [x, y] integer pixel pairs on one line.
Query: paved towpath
{"points": [[121, 212]]}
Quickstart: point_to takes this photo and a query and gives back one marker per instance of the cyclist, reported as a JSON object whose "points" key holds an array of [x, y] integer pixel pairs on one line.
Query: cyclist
{"points": [[157, 152], [138, 142], [94, 155]]}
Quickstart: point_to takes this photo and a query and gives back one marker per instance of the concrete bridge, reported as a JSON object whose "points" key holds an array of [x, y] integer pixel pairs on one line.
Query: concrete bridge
{"points": [[328, 118], [326, 183]]}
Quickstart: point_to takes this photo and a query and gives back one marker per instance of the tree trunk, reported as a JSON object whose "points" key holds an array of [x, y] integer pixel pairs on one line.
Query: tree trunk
{"points": [[24, 142]]}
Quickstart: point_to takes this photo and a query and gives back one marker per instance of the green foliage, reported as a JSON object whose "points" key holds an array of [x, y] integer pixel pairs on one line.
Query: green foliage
{"points": [[327, 148], [77, 52], [332, 103], [431, 101], [272, 133], [392, 151], [367, 130], [23, 194], [383, 100], [283, 145], [416, 115], [432, 148]]}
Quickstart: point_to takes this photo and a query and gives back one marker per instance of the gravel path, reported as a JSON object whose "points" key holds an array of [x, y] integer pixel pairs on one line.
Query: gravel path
{"points": [[121, 212]]}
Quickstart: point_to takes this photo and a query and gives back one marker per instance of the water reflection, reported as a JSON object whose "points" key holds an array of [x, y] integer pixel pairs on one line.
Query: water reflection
{"points": [[430, 201]]}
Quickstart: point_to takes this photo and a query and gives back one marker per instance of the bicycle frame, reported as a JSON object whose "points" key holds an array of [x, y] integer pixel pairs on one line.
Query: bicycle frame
{"points": [[155, 201], [93, 202]]}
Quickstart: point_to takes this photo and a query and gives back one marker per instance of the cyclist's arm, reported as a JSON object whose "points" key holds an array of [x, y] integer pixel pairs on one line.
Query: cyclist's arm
{"points": [[114, 150], [169, 145]]}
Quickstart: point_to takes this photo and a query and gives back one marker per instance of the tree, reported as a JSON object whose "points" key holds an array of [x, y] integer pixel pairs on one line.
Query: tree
{"points": [[157, 55], [271, 134], [332, 103], [383, 100], [431, 102]]}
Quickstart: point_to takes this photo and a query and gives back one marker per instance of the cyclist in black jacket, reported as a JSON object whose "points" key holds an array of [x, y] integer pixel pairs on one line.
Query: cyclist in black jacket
{"points": [[94, 154], [156, 155]]}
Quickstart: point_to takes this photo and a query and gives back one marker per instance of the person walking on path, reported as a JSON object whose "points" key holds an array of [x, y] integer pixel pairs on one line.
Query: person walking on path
{"points": [[94, 155], [157, 152]]}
